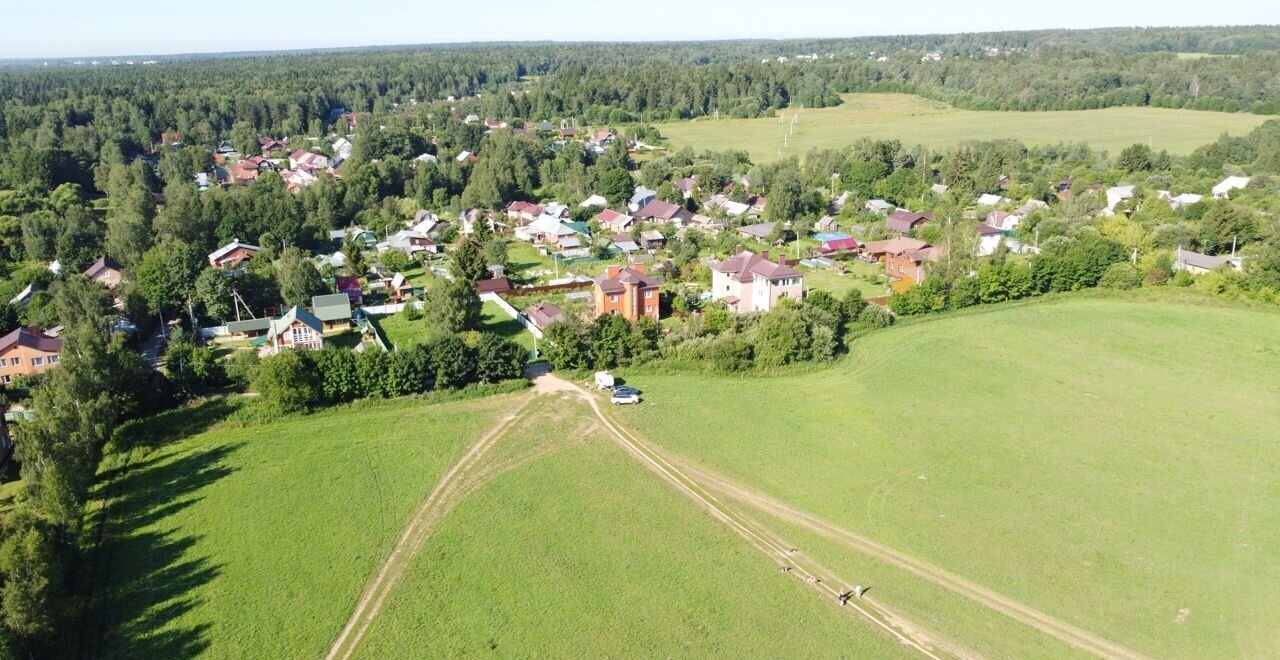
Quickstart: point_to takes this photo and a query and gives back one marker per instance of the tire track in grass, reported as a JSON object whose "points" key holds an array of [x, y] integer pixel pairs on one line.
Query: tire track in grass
{"points": [[1025, 614], [448, 492], [801, 567]]}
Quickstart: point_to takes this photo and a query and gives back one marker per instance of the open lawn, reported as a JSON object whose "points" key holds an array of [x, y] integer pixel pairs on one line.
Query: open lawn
{"points": [[494, 319], [1110, 462], [401, 331], [854, 277], [576, 550], [226, 537], [915, 120]]}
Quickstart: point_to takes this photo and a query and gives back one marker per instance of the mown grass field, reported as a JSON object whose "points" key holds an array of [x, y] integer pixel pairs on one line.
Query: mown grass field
{"points": [[1111, 462], [915, 120], [227, 540], [577, 550], [403, 332]]}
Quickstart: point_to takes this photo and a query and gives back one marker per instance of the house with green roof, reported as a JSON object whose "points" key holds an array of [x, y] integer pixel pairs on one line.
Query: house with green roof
{"points": [[333, 310], [297, 328]]}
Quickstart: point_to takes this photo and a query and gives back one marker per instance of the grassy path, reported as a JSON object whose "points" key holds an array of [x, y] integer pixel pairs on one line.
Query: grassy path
{"points": [[465, 476]]}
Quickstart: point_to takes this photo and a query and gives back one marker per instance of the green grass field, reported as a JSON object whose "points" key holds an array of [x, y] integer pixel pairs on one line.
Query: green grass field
{"points": [[1109, 462], [229, 536], [402, 332], [226, 539], [915, 120], [578, 551]]}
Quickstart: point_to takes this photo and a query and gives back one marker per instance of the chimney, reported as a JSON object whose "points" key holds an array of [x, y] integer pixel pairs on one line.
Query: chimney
{"points": [[764, 254], [782, 259], [738, 249]]}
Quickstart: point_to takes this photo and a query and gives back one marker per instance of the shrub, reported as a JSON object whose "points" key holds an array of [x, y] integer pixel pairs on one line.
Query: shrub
{"points": [[1121, 276], [498, 359], [454, 363], [875, 316], [288, 382]]}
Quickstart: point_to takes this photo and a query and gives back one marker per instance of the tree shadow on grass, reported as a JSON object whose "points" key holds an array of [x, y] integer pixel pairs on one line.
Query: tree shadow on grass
{"points": [[145, 577]]}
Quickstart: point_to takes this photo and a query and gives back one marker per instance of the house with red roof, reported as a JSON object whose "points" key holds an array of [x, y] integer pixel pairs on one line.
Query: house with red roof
{"points": [[614, 221], [350, 285], [749, 282], [839, 246]]}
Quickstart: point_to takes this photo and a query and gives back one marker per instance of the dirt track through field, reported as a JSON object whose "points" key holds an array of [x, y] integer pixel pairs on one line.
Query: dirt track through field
{"points": [[705, 481], [798, 565], [465, 476]]}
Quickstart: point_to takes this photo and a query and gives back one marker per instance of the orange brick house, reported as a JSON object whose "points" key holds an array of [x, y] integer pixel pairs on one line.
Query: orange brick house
{"points": [[628, 292], [904, 258], [232, 255], [27, 351]]}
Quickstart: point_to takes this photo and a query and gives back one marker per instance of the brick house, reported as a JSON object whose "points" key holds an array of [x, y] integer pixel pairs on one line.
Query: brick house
{"points": [[231, 255], [628, 292], [107, 272], [903, 221], [749, 282], [27, 351], [903, 257]]}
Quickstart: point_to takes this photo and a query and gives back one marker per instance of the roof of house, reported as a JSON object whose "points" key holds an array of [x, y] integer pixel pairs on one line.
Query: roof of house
{"points": [[248, 325], [939, 189], [746, 264], [298, 315], [904, 221], [611, 217], [524, 207], [331, 307], [840, 244], [761, 230], [659, 209], [895, 245], [495, 285], [641, 194], [347, 284], [988, 230], [544, 314], [223, 251], [686, 184], [1231, 183], [879, 204], [594, 200], [102, 264], [652, 235], [625, 276], [625, 243], [1198, 260], [31, 337], [546, 224]]}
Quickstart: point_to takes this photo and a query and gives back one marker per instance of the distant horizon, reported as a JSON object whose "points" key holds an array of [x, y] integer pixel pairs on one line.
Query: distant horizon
{"points": [[586, 42], [80, 29]]}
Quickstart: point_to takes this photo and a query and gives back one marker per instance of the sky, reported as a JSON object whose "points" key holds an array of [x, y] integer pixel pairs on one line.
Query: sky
{"points": [[89, 28]]}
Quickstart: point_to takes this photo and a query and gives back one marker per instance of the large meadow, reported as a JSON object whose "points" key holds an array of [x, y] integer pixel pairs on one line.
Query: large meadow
{"points": [[1108, 462], [916, 120]]}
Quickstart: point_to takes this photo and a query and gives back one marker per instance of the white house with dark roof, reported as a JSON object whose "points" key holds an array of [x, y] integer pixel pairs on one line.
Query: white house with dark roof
{"points": [[749, 282]]}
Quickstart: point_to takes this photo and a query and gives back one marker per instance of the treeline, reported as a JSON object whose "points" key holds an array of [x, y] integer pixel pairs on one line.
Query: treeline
{"points": [[99, 383], [709, 336], [295, 380]]}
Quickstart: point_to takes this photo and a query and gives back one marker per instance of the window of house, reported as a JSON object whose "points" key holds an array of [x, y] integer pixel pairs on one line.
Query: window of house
{"points": [[15, 361], [613, 298], [5, 379], [648, 295], [37, 361], [53, 359], [648, 308]]}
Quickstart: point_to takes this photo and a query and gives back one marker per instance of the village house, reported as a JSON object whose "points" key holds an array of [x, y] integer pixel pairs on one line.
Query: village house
{"points": [[625, 244], [106, 272], [626, 291], [333, 310], [652, 239], [878, 206], [1003, 220], [296, 329], [1223, 189], [839, 246], [826, 224], [988, 239], [544, 314], [249, 169], [687, 186], [1117, 194], [493, 285], [398, 287], [303, 159], [1182, 201], [987, 199], [903, 221], [349, 285], [410, 242], [524, 212], [27, 351], [361, 237], [939, 189], [903, 257], [759, 232], [661, 212], [1199, 264], [594, 200], [614, 221], [640, 198], [546, 229], [231, 255], [747, 282]]}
